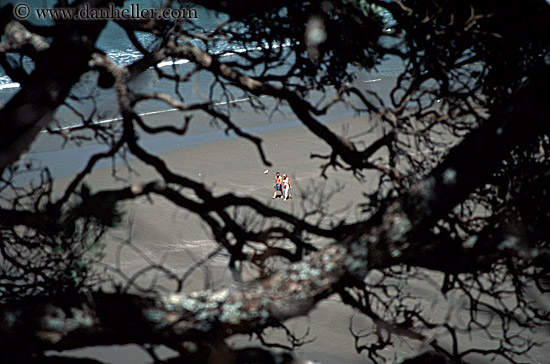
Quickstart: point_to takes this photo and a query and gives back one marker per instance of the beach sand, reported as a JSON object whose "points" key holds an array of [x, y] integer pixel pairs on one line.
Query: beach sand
{"points": [[161, 232]]}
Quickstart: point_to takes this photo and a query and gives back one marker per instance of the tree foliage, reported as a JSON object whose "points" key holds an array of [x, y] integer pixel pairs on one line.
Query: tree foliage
{"points": [[461, 170]]}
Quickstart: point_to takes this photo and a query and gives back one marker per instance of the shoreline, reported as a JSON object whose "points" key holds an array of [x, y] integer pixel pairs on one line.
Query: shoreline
{"points": [[66, 159], [166, 234]]}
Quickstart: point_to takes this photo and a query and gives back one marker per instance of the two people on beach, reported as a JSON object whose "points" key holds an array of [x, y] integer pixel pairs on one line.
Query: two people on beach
{"points": [[282, 184]]}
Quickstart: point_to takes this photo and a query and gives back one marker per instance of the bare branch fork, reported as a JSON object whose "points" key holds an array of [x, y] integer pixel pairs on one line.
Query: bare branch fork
{"points": [[301, 108], [429, 220], [380, 242], [32, 108]]}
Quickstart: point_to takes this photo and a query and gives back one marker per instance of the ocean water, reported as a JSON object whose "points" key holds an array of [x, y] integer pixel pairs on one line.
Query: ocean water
{"points": [[101, 103], [118, 47]]}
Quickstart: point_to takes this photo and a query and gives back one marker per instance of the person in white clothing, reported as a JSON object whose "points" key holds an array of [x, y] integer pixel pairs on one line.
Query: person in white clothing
{"points": [[286, 187]]}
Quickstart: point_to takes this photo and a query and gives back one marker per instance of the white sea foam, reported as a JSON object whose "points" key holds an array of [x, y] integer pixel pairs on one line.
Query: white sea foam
{"points": [[172, 62], [128, 56], [8, 85]]}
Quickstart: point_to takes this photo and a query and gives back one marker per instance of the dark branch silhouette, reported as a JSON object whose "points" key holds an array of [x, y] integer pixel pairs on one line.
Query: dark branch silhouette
{"points": [[457, 152]]}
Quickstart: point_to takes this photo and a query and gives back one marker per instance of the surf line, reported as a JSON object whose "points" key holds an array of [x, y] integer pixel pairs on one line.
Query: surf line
{"points": [[71, 127], [167, 63], [375, 80]]}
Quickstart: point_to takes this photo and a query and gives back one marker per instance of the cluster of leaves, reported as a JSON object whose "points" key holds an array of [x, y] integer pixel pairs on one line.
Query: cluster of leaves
{"points": [[47, 249], [319, 40], [504, 39]]}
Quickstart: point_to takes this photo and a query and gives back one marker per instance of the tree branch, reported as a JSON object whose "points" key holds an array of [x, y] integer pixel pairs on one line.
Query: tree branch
{"points": [[79, 321], [32, 108]]}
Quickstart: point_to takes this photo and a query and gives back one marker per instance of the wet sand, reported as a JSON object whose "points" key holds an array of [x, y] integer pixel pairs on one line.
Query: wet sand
{"points": [[162, 233]]}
